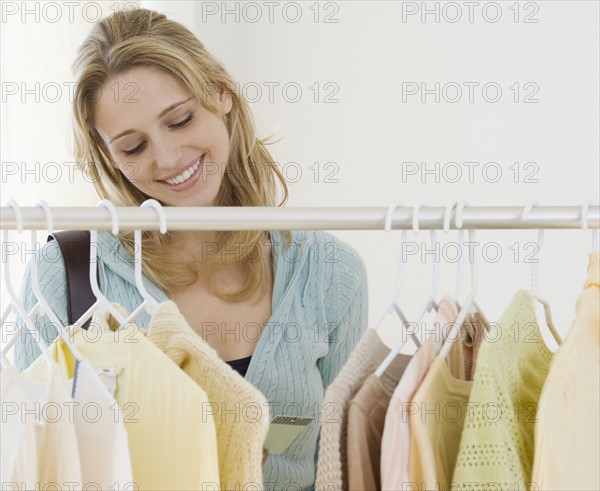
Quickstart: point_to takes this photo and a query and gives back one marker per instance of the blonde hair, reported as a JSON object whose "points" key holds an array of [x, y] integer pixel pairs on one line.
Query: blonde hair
{"points": [[145, 38]]}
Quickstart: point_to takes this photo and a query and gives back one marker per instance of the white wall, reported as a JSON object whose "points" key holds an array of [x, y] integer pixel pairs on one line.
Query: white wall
{"points": [[360, 61]]}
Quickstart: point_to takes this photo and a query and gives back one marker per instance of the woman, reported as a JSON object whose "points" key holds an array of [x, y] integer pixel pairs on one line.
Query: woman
{"points": [[157, 116]]}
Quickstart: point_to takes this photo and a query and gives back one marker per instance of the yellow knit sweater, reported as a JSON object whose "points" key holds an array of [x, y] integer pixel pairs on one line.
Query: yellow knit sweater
{"points": [[240, 410], [496, 446]]}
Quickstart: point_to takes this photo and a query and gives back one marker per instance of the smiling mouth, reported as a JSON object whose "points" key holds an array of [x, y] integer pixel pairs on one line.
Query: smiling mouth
{"points": [[187, 174]]}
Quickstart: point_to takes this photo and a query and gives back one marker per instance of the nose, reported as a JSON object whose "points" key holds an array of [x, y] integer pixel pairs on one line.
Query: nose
{"points": [[167, 153]]}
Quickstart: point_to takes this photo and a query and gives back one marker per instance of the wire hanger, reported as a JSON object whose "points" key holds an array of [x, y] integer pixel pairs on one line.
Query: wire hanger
{"points": [[585, 210], [429, 304], [534, 278], [15, 304], [454, 333], [102, 303], [149, 304]]}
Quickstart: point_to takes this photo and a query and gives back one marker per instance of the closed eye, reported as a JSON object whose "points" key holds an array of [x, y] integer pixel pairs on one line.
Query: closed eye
{"points": [[142, 145], [183, 123]]}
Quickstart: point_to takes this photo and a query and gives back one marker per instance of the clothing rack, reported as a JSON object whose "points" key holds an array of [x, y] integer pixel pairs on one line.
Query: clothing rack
{"points": [[302, 218]]}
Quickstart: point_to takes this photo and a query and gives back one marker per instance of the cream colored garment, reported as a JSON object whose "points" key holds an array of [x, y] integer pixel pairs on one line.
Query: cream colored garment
{"points": [[101, 435], [395, 443], [567, 431], [172, 439], [18, 441], [436, 414], [332, 472], [240, 410], [54, 455]]}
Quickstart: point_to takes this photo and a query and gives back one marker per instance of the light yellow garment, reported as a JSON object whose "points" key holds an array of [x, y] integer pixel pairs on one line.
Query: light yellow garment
{"points": [[567, 432], [437, 413], [172, 439], [240, 410], [496, 445], [437, 410]]}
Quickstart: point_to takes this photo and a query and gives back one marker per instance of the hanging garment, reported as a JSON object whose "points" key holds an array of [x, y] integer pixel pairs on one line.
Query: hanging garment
{"points": [[240, 410], [57, 460], [496, 445], [567, 431], [319, 313], [101, 434], [332, 472], [172, 439], [18, 439], [366, 416], [395, 442], [436, 414]]}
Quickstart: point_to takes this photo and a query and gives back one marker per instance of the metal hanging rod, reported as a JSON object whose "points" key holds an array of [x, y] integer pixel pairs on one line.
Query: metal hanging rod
{"points": [[299, 218]]}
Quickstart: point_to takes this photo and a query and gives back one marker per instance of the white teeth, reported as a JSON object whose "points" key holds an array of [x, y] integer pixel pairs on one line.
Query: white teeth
{"points": [[185, 175]]}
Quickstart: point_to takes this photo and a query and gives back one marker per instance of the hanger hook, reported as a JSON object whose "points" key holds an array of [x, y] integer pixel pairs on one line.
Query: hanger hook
{"points": [[458, 217], [18, 215], [540, 242], [48, 214], [114, 217], [388, 215], [161, 213], [415, 217], [585, 210], [447, 213]]}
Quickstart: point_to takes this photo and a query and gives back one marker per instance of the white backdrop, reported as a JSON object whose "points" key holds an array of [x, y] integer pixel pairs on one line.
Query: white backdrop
{"points": [[495, 103]]}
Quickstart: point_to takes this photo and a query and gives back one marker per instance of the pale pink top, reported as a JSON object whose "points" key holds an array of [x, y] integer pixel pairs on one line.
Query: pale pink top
{"points": [[395, 442]]}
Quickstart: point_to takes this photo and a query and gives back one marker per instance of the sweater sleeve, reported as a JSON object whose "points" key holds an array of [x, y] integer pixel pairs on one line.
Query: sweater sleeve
{"points": [[345, 332], [52, 277]]}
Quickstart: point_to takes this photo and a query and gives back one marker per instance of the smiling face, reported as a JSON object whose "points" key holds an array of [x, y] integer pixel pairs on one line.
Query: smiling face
{"points": [[162, 139]]}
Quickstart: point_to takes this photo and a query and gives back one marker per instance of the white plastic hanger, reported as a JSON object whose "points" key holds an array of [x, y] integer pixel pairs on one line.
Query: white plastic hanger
{"points": [[392, 304], [430, 302], [15, 305], [102, 302], [454, 333], [42, 305], [149, 304], [534, 277], [460, 266], [585, 209], [461, 233]]}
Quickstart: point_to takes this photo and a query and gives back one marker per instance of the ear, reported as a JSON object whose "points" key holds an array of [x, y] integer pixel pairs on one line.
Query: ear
{"points": [[225, 101]]}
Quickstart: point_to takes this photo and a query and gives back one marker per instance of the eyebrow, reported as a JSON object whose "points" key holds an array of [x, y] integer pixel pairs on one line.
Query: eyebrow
{"points": [[162, 113]]}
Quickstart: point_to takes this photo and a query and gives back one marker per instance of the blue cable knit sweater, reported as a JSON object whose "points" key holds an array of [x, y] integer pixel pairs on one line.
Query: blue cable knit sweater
{"points": [[319, 313]]}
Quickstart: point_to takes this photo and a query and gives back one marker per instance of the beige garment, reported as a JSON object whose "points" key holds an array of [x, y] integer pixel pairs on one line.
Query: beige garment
{"points": [[172, 437], [241, 411], [332, 472], [437, 411], [567, 431], [366, 416]]}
